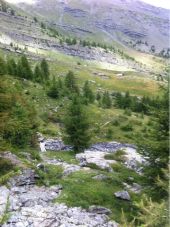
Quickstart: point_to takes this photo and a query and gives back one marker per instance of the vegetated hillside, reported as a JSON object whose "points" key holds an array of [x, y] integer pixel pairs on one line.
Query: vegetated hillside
{"points": [[131, 23], [52, 98], [33, 100]]}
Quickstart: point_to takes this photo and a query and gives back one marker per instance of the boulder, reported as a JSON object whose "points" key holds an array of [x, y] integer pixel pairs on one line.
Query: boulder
{"points": [[71, 169], [122, 195], [99, 210], [56, 145], [136, 188], [95, 157], [27, 177]]}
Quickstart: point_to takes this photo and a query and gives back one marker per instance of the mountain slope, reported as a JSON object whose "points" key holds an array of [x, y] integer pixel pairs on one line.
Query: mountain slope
{"points": [[129, 22]]}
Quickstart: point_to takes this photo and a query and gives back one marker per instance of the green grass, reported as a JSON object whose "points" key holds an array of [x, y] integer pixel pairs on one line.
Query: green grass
{"points": [[50, 121], [5, 166], [66, 156], [118, 156], [5, 216], [7, 170], [50, 175], [79, 189], [134, 82]]}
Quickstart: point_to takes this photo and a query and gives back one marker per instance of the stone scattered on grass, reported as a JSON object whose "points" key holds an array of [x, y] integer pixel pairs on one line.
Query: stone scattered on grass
{"points": [[122, 195], [99, 210], [136, 188]]}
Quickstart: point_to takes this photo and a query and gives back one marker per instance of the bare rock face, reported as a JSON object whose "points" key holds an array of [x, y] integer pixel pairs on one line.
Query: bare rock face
{"points": [[122, 195]]}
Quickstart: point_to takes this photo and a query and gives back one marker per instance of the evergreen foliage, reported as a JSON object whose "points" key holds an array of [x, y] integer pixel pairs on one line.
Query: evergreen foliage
{"points": [[152, 213], [156, 147], [45, 69], [106, 100], [17, 124], [70, 83], [88, 93], [12, 67], [77, 126], [53, 91], [135, 104], [24, 68], [38, 77], [98, 96]]}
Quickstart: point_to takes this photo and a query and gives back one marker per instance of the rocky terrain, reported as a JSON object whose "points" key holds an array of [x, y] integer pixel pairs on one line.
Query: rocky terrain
{"points": [[95, 154], [103, 54], [24, 204], [31, 206]]}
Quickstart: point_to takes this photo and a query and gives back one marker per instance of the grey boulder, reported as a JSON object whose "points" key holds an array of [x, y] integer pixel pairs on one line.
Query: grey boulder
{"points": [[99, 210], [122, 195]]}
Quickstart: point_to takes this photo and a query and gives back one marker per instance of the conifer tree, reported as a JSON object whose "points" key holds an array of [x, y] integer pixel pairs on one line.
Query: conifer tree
{"points": [[53, 91], [156, 147], [127, 100], [118, 100], [38, 74], [106, 100], [77, 126], [61, 87], [24, 68], [74, 41], [88, 93], [12, 67], [98, 96], [70, 83], [45, 69]]}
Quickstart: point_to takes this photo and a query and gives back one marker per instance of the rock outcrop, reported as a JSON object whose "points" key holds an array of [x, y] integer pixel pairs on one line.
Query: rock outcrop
{"points": [[29, 205], [96, 153], [94, 157], [56, 145]]}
